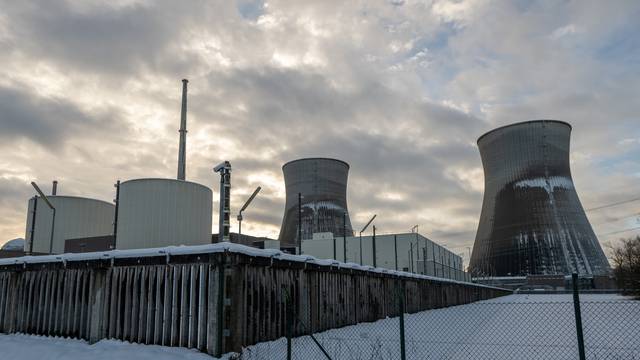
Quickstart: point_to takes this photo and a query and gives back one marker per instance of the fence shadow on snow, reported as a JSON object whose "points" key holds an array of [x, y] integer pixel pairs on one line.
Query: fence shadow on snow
{"points": [[568, 326]]}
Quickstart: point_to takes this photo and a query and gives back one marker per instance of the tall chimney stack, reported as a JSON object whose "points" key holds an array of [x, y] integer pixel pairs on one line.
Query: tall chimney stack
{"points": [[54, 188], [183, 133]]}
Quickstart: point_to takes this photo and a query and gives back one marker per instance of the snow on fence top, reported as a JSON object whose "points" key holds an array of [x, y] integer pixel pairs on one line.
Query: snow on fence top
{"points": [[218, 248]]}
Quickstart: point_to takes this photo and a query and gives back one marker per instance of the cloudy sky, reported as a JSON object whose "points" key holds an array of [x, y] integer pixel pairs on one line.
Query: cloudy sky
{"points": [[90, 93]]}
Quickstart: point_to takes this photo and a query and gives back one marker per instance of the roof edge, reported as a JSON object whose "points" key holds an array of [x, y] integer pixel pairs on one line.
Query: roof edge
{"points": [[77, 197], [317, 158], [523, 123], [166, 179]]}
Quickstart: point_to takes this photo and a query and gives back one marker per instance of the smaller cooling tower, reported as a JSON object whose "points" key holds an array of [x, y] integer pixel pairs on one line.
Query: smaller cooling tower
{"points": [[75, 217], [322, 184], [163, 212], [532, 221]]}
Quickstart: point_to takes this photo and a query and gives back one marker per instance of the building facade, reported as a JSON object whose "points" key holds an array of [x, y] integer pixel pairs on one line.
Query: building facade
{"points": [[409, 252], [163, 212], [74, 217], [532, 222]]}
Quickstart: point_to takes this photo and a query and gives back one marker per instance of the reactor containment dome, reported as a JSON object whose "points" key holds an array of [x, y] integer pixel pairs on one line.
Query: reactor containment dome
{"points": [[76, 217], [317, 188], [163, 212], [532, 221]]}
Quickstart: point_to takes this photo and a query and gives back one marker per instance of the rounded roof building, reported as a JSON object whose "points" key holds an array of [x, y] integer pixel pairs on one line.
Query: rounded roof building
{"points": [[14, 245], [76, 217], [163, 212], [532, 221]]}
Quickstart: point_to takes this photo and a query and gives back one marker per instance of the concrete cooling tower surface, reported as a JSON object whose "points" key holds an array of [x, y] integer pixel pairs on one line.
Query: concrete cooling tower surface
{"points": [[532, 221], [323, 185]]}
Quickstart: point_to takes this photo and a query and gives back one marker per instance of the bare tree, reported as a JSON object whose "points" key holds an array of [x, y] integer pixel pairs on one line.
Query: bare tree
{"points": [[626, 261]]}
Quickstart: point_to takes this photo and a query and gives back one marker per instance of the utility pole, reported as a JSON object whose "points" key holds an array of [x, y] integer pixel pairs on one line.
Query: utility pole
{"points": [[244, 207], [115, 216], [373, 243], [33, 225], [344, 236], [361, 231], [299, 223]]}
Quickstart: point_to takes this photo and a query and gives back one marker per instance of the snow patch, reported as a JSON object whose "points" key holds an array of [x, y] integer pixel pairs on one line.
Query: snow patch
{"points": [[31, 347], [215, 248], [550, 184]]}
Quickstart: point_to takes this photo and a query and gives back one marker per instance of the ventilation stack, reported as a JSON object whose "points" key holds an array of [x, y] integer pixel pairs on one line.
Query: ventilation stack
{"points": [[182, 152]]}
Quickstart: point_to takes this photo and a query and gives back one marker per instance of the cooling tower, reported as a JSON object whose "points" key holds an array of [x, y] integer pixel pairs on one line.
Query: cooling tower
{"points": [[532, 221], [322, 183]]}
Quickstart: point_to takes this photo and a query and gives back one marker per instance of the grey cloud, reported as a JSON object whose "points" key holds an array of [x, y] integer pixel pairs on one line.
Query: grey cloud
{"points": [[43, 120], [103, 39], [500, 62]]}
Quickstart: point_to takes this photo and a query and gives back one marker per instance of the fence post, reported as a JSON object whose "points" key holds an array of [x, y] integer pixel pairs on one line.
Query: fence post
{"points": [[401, 293], [220, 305], [96, 305], [576, 308], [289, 323], [334, 249]]}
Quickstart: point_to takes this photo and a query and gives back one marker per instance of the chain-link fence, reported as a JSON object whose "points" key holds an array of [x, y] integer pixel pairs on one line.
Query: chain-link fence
{"points": [[536, 326]]}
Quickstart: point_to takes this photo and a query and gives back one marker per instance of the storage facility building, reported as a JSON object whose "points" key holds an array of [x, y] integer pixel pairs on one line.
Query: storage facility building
{"points": [[163, 212], [410, 252], [75, 217]]}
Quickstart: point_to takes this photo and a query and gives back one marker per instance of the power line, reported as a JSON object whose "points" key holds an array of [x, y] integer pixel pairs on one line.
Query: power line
{"points": [[620, 231], [616, 219], [613, 204]]}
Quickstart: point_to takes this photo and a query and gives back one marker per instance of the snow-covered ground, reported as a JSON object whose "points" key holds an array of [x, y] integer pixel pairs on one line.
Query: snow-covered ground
{"points": [[511, 327], [29, 347]]}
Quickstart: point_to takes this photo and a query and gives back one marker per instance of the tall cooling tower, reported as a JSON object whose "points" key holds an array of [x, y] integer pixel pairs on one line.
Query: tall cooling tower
{"points": [[322, 183], [532, 221]]}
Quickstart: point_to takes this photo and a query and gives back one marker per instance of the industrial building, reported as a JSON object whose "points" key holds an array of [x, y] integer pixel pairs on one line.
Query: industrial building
{"points": [[260, 242], [410, 252], [316, 200], [532, 222], [163, 212], [75, 217], [12, 248]]}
